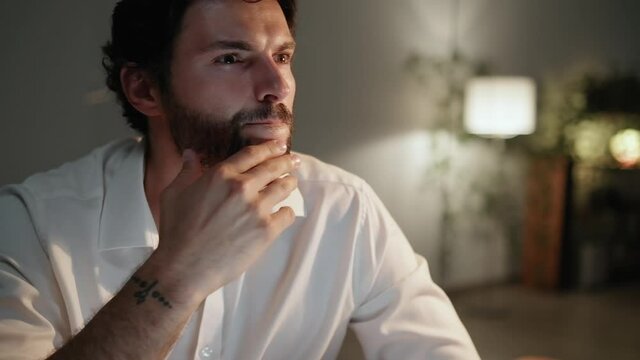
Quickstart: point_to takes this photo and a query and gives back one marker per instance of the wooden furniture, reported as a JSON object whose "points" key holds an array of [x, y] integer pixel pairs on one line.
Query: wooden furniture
{"points": [[545, 221], [582, 225]]}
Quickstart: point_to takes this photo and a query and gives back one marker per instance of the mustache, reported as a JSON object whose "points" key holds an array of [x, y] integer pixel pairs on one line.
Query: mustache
{"points": [[262, 113], [216, 138]]}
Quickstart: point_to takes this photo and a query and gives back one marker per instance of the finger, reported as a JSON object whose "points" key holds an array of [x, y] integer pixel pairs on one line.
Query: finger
{"points": [[277, 191], [252, 155], [190, 172], [272, 169], [282, 219]]}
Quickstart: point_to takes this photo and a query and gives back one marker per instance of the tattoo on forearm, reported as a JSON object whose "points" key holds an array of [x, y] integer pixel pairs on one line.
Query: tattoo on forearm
{"points": [[146, 287]]}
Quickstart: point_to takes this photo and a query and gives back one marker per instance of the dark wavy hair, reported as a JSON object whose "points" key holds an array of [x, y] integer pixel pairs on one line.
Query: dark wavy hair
{"points": [[143, 33]]}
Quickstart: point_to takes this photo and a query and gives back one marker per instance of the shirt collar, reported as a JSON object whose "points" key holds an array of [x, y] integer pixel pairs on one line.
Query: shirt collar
{"points": [[126, 220]]}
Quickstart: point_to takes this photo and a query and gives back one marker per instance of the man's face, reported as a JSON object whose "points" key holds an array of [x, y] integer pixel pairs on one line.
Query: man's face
{"points": [[231, 79]]}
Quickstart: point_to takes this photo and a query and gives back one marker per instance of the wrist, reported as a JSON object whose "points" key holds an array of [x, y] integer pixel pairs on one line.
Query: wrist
{"points": [[161, 278]]}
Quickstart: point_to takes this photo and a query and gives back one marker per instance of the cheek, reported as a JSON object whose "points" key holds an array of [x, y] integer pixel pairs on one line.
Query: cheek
{"points": [[292, 92], [207, 91]]}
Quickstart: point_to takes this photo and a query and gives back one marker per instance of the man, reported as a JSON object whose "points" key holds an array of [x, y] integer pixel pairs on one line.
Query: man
{"points": [[208, 238]]}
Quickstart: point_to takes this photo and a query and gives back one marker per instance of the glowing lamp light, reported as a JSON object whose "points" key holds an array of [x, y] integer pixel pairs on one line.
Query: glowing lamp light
{"points": [[500, 107], [625, 147]]}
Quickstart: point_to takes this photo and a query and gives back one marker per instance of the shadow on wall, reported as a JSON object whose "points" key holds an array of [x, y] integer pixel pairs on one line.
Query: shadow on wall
{"points": [[52, 97]]}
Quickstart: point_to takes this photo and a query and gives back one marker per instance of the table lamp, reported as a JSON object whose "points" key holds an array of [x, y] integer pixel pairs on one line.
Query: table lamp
{"points": [[499, 106]]}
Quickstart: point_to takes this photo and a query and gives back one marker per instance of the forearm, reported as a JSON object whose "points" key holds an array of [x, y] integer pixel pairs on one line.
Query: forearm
{"points": [[143, 321], [215, 222]]}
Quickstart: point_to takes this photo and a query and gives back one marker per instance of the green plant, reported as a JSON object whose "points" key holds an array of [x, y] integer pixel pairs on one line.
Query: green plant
{"points": [[581, 111]]}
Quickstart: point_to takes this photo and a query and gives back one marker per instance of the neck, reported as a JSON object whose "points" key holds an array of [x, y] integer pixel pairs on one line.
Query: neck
{"points": [[162, 164]]}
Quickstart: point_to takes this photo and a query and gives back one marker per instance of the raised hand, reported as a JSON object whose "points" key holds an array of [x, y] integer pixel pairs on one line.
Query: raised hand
{"points": [[216, 222]]}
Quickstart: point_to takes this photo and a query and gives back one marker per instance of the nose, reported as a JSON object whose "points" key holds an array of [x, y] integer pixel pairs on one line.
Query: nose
{"points": [[271, 82]]}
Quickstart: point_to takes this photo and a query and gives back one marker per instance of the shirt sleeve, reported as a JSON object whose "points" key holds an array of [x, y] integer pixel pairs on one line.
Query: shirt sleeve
{"points": [[400, 312], [32, 315]]}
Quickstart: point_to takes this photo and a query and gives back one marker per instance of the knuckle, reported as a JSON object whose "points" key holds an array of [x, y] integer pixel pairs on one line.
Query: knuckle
{"points": [[255, 207], [239, 186], [222, 171]]}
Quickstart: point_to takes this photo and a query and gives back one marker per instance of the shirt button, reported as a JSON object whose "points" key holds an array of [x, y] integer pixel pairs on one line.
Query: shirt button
{"points": [[206, 352]]}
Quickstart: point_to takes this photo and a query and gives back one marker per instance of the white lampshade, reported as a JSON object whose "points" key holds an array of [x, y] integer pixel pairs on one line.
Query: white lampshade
{"points": [[500, 107]]}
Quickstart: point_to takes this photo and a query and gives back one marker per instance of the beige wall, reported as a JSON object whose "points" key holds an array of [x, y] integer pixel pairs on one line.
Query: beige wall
{"points": [[359, 109]]}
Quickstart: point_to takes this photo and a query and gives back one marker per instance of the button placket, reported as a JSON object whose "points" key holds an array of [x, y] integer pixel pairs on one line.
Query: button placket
{"points": [[210, 331], [207, 352]]}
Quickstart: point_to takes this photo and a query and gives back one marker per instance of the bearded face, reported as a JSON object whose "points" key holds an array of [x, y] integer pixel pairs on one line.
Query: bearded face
{"points": [[216, 138], [230, 81]]}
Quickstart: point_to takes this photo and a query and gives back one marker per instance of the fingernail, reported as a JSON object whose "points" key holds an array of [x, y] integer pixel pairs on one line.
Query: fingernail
{"points": [[296, 161], [282, 147]]}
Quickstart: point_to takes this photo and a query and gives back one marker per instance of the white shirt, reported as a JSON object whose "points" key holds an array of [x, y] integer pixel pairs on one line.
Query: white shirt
{"points": [[71, 237]]}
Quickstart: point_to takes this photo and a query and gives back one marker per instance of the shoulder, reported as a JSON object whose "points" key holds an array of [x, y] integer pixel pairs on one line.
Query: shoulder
{"points": [[81, 178], [330, 191], [74, 189]]}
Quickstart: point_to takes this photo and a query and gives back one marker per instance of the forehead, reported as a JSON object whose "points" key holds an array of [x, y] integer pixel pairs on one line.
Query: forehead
{"points": [[209, 20]]}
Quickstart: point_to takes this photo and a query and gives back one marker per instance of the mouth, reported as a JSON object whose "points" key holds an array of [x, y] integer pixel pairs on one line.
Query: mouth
{"points": [[266, 129], [267, 122]]}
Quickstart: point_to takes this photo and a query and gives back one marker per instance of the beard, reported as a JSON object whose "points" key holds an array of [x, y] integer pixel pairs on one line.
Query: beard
{"points": [[215, 137]]}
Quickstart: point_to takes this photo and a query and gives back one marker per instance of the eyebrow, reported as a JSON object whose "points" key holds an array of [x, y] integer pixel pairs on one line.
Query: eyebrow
{"points": [[289, 45], [243, 45]]}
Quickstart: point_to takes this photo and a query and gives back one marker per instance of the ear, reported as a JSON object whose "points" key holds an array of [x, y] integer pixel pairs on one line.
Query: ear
{"points": [[141, 91]]}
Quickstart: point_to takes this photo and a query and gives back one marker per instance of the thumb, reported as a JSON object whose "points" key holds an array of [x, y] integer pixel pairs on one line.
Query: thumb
{"points": [[190, 171]]}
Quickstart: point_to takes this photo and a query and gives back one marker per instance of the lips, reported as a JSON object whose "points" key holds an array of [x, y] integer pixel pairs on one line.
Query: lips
{"points": [[265, 122], [270, 129]]}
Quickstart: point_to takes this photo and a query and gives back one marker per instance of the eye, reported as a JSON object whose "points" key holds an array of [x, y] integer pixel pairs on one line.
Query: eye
{"points": [[227, 59], [282, 58]]}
